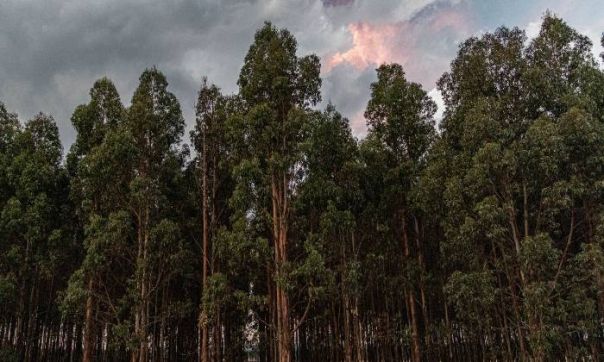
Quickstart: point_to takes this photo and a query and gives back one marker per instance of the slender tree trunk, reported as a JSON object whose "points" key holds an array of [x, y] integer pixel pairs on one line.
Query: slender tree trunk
{"points": [[358, 335], [422, 287], [205, 257], [32, 333], [516, 306], [279, 212], [415, 339], [88, 324], [348, 344], [272, 315], [22, 316], [134, 357], [141, 314], [144, 319], [515, 237]]}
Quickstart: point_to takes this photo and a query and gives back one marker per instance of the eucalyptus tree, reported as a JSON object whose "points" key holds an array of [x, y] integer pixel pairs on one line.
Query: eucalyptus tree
{"points": [[278, 87], [400, 119], [214, 189], [205, 127], [485, 98], [517, 190], [34, 245], [10, 129], [328, 203], [155, 124], [92, 191]]}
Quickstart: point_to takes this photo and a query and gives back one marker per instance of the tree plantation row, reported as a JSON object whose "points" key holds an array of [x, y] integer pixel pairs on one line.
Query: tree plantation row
{"points": [[277, 236]]}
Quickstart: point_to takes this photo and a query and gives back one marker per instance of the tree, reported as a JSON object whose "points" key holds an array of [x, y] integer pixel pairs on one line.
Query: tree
{"points": [[400, 118], [326, 209], [510, 137], [34, 244], [102, 115], [278, 87], [155, 124], [213, 180]]}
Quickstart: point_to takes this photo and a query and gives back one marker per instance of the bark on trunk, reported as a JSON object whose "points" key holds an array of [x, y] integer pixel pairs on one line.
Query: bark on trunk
{"points": [[204, 355], [415, 338], [279, 213], [88, 324]]}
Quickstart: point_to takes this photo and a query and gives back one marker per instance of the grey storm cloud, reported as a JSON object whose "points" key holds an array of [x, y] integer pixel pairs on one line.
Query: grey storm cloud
{"points": [[51, 51], [348, 89], [337, 2]]}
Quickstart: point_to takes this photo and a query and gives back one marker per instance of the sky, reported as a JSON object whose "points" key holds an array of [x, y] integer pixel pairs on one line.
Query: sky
{"points": [[52, 51]]}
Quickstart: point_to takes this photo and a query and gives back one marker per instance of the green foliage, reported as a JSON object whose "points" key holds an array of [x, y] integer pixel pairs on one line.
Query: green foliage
{"points": [[473, 295], [400, 114]]}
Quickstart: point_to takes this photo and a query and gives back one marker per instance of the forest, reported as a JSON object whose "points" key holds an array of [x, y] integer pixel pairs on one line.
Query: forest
{"points": [[275, 235]]}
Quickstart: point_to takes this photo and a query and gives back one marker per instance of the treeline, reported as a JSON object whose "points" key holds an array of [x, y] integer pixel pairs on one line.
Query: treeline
{"points": [[277, 236]]}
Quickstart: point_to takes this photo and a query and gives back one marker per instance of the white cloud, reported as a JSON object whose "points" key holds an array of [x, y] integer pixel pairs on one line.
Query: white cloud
{"points": [[532, 29], [440, 103]]}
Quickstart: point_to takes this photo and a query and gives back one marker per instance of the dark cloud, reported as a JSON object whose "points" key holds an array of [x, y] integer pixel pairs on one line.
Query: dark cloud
{"points": [[337, 2], [348, 90], [51, 51]]}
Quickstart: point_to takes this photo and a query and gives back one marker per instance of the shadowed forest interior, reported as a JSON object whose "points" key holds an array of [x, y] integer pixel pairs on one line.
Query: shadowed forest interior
{"points": [[275, 235]]}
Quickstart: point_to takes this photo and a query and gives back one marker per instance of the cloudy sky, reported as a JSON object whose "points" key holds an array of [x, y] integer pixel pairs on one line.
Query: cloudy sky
{"points": [[51, 51]]}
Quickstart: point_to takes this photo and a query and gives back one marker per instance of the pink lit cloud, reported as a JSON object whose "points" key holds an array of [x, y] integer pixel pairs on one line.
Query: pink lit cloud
{"points": [[372, 44], [358, 124], [400, 42], [423, 44]]}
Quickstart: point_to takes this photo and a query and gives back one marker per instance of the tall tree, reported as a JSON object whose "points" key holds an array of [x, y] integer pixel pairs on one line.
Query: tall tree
{"points": [[92, 122], [278, 87], [213, 180], [326, 210], [514, 115], [34, 243], [155, 123], [400, 117]]}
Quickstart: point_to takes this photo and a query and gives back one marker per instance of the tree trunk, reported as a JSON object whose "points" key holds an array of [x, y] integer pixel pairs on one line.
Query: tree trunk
{"points": [[88, 324], [347, 317], [279, 212], [204, 259], [415, 339], [141, 317], [422, 288], [144, 320], [134, 357]]}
